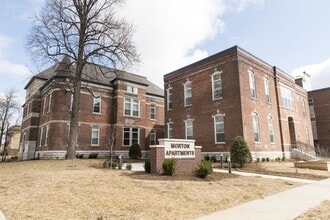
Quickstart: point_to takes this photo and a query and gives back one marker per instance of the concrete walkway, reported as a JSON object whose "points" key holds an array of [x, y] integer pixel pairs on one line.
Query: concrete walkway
{"points": [[284, 205], [2, 216]]}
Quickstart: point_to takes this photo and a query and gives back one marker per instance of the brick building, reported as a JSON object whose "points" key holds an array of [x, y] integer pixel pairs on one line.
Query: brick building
{"points": [[319, 103], [233, 93], [114, 106]]}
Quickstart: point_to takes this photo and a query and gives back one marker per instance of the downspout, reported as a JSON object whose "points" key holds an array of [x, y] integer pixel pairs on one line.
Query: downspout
{"points": [[278, 110]]}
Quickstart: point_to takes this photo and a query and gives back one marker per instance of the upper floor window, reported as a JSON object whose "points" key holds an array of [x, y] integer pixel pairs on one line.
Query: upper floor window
{"points": [[219, 129], [71, 102], [169, 99], [252, 85], [189, 129], [41, 133], [310, 102], [267, 90], [49, 101], [95, 135], [97, 104], [131, 136], [304, 109], [271, 129], [216, 85], [153, 111], [131, 89], [153, 137], [256, 129], [131, 107], [287, 97], [187, 94], [46, 138], [170, 130]]}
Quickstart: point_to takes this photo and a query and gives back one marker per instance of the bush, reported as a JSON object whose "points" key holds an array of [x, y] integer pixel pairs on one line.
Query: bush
{"points": [[240, 153], [267, 159], [147, 166], [263, 159], [128, 166], [169, 167], [207, 157], [135, 151], [213, 159], [204, 169], [258, 160], [79, 156], [107, 164], [92, 156]]}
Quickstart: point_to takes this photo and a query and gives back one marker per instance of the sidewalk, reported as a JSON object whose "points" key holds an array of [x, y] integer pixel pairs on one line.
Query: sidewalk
{"points": [[284, 205]]}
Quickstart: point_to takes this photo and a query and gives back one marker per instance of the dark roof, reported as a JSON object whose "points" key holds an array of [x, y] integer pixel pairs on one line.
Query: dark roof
{"points": [[97, 74]]}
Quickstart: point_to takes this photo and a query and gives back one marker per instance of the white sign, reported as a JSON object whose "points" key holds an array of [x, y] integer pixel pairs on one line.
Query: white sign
{"points": [[176, 148]]}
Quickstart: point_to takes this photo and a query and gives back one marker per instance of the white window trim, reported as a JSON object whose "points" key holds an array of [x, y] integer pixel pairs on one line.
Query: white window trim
{"points": [[271, 129], [258, 127], [131, 107], [169, 94], [155, 136], [153, 106], [252, 84], [215, 128], [49, 101], [130, 136], [213, 89], [46, 138], [186, 128], [267, 90], [168, 129], [44, 105], [94, 102], [132, 90], [41, 134], [95, 128], [185, 94], [71, 102], [291, 98]]}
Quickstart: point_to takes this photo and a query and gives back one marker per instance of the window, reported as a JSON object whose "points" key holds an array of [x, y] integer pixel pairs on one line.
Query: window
{"points": [[187, 94], [49, 101], [95, 135], [41, 132], [131, 136], [170, 130], [153, 112], [131, 89], [132, 107], [307, 135], [304, 109], [169, 99], [256, 130], [97, 104], [271, 130], [152, 137], [219, 129], [216, 85], [287, 97], [71, 102], [310, 102], [252, 85], [189, 129], [46, 139], [44, 106], [267, 92]]}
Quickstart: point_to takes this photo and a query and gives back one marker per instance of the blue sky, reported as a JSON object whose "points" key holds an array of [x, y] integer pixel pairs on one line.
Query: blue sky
{"points": [[293, 35]]}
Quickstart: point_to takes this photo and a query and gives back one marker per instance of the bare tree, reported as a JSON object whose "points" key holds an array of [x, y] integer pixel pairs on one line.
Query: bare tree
{"points": [[83, 32], [8, 108]]}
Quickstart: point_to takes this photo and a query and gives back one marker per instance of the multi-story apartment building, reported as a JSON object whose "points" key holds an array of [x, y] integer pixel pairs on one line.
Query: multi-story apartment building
{"points": [[115, 107], [233, 93], [319, 104]]}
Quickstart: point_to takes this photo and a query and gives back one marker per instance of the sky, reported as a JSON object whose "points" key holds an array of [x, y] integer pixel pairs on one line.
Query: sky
{"points": [[293, 35]]}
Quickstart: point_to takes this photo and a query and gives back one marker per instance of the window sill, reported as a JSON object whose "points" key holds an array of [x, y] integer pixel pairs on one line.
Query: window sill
{"points": [[217, 99], [97, 113], [95, 145], [129, 116], [220, 143], [253, 98], [257, 142], [187, 106]]}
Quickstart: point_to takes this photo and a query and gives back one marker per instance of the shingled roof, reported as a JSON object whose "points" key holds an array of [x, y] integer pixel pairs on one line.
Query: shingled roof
{"points": [[97, 74]]}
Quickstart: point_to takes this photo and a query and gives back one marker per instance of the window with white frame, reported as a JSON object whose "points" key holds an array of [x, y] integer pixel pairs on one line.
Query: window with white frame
{"points": [[131, 89], [287, 97], [216, 85], [71, 102], [96, 104], [219, 128], [267, 90], [153, 111], [170, 130], [41, 133], [187, 94], [131, 107], [95, 135], [49, 101], [153, 137], [307, 135], [271, 130], [46, 138], [189, 129], [252, 85], [169, 99], [310, 102], [131, 136], [256, 129]]}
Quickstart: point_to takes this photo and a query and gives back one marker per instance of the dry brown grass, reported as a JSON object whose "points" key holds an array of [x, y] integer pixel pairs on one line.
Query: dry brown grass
{"points": [[56, 190], [320, 212]]}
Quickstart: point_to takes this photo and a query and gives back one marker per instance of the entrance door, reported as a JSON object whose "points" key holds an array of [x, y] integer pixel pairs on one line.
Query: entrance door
{"points": [[292, 132]]}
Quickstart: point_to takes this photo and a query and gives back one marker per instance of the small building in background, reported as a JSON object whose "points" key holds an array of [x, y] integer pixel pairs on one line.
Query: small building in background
{"points": [[13, 140]]}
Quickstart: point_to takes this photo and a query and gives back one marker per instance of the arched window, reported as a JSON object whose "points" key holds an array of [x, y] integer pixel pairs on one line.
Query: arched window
{"points": [[187, 94], [256, 129], [216, 85], [252, 85], [271, 130]]}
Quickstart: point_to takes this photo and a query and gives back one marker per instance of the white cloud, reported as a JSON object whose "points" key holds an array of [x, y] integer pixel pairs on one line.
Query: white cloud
{"points": [[169, 33], [18, 71], [320, 74]]}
